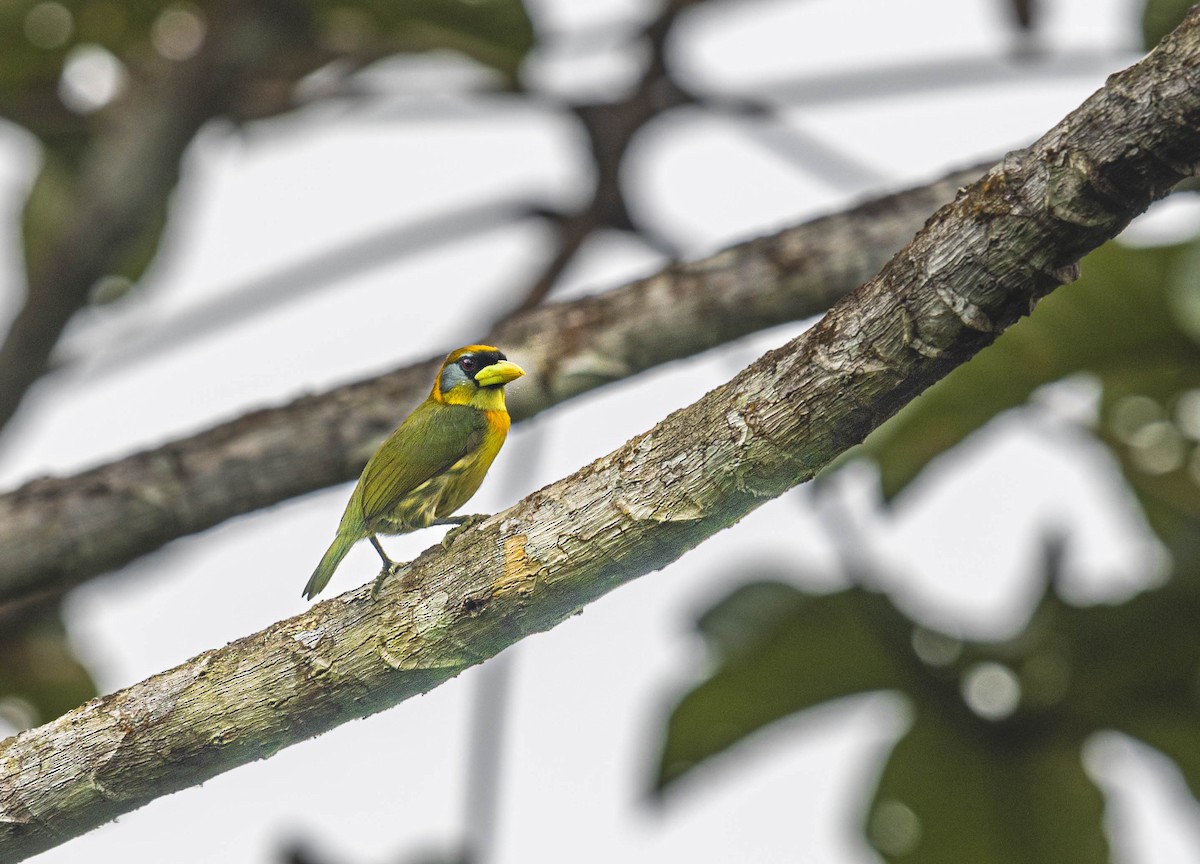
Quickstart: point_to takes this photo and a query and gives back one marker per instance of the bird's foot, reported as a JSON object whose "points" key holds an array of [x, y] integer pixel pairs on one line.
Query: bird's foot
{"points": [[394, 568], [462, 523]]}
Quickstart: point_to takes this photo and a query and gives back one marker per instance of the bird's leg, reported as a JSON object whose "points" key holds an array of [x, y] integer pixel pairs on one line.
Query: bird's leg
{"points": [[388, 563], [390, 568], [461, 523]]}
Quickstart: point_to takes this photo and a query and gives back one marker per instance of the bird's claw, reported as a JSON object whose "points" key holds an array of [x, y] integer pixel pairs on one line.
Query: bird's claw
{"points": [[464, 523], [393, 569]]}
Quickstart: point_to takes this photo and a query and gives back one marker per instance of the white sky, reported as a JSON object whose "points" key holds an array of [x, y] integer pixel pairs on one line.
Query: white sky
{"points": [[589, 698]]}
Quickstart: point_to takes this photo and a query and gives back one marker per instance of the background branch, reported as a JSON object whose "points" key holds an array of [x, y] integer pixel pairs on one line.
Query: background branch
{"points": [[978, 265]]}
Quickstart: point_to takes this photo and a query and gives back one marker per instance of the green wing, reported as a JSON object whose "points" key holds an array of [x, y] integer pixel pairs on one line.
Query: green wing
{"points": [[426, 444]]}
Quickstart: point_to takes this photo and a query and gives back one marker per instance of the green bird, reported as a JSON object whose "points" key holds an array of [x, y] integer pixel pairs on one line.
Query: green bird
{"points": [[432, 463]]}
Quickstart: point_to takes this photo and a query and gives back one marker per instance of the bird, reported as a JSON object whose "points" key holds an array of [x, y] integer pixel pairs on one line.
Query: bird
{"points": [[432, 463]]}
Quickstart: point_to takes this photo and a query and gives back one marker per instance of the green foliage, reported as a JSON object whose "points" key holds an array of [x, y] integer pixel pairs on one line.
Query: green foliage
{"points": [[1116, 322], [960, 789], [779, 651], [1132, 321], [37, 37], [960, 785], [1160, 17], [40, 677], [968, 783], [497, 33]]}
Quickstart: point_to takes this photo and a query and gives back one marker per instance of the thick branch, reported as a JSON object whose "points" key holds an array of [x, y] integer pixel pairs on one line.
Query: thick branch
{"points": [[55, 532], [979, 264]]}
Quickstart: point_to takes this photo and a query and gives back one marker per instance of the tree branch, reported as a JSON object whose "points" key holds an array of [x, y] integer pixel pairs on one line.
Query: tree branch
{"points": [[978, 265], [56, 532]]}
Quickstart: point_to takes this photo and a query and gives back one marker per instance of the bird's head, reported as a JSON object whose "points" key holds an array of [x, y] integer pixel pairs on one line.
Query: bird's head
{"points": [[475, 375]]}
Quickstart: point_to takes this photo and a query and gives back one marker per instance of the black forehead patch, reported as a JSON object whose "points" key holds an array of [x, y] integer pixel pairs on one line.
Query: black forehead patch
{"points": [[484, 358]]}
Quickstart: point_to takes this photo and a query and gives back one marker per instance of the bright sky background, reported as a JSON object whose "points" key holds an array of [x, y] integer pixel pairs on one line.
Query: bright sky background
{"points": [[589, 698]]}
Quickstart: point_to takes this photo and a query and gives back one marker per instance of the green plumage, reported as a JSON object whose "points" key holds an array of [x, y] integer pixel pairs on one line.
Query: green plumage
{"points": [[425, 470]]}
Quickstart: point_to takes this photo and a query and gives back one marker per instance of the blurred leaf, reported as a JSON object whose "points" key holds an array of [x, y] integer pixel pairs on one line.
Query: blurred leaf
{"points": [[799, 653], [1116, 322], [740, 622], [1158, 462], [38, 668], [497, 33], [38, 37], [48, 206], [1133, 669], [1160, 17], [1150, 419], [1132, 321], [265, 49], [958, 788], [961, 786]]}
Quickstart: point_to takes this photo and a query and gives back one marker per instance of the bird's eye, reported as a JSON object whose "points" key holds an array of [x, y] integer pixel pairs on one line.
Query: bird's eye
{"points": [[468, 364]]}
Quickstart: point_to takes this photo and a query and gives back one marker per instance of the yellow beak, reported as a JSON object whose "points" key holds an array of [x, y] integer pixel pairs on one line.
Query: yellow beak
{"points": [[498, 373]]}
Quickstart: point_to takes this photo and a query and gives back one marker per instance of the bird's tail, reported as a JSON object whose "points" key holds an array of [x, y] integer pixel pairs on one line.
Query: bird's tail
{"points": [[329, 562]]}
